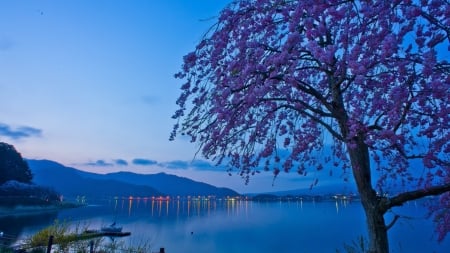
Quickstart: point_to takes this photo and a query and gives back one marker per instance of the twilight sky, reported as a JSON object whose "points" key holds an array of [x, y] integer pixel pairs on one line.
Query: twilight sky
{"points": [[90, 84]]}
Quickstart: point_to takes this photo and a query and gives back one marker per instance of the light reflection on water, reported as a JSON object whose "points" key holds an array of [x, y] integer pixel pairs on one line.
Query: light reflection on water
{"points": [[177, 207], [220, 225]]}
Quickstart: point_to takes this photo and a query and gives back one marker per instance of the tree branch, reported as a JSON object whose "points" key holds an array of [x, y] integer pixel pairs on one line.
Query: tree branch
{"points": [[436, 22], [318, 120], [401, 198], [407, 107], [392, 222]]}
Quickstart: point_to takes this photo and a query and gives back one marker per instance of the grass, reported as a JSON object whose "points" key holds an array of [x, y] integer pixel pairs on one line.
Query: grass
{"points": [[360, 245]]}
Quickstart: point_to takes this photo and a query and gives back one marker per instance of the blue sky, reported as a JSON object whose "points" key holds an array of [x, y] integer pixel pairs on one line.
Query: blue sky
{"points": [[90, 84]]}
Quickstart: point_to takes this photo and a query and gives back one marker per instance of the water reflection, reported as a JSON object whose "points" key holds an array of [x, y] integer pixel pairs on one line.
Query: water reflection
{"points": [[199, 206], [341, 200], [188, 206], [208, 224], [14, 225]]}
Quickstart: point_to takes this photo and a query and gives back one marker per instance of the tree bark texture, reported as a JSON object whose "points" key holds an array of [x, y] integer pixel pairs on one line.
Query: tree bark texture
{"points": [[374, 211]]}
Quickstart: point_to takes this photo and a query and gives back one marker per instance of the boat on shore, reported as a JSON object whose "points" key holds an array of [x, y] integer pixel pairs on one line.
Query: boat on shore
{"points": [[111, 228]]}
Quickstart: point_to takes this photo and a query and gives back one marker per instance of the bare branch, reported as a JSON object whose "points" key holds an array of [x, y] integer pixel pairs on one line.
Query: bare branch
{"points": [[401, 198], [392, 222]]}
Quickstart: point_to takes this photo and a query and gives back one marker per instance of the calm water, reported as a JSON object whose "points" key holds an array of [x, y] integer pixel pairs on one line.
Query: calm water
{"points": [[238, 226]]}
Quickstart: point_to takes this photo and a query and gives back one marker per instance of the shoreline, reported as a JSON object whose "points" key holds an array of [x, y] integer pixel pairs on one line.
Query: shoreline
{"points": [[23, 210]]}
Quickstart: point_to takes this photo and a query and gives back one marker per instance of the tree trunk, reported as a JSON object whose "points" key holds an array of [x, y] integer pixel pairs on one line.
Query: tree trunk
{"points": [[358, 152], [377, 230]]}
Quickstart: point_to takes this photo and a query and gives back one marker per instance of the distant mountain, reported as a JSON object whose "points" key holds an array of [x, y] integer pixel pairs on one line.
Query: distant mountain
{"points": [[73, 182], [337, 188], [171, 184]]}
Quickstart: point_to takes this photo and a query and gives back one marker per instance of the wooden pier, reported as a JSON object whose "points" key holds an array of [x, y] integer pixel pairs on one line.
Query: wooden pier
{"points": [[99, 233]]}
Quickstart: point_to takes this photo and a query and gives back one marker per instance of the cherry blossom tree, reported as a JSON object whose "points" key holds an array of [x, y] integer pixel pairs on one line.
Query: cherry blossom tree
{"points": [[368, 78]]}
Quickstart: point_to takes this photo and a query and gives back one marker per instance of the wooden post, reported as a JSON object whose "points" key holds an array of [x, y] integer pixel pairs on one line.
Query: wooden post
{"points": [[91, 246], [50, 242], [161, 250]]}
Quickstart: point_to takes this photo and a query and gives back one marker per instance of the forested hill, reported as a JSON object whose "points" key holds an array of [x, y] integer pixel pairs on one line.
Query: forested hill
{"points": [[171, 184], [73, 182]]}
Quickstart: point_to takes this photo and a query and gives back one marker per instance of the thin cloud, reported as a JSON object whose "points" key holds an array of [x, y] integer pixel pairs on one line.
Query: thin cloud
{"points": [[177, 164], [195, 165], [202, 165], [19, 132], [121, 162], [144, 162], [100, 163]]}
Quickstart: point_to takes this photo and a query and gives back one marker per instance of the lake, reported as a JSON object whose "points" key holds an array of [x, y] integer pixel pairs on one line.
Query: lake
{"points": [[225, 226]]}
